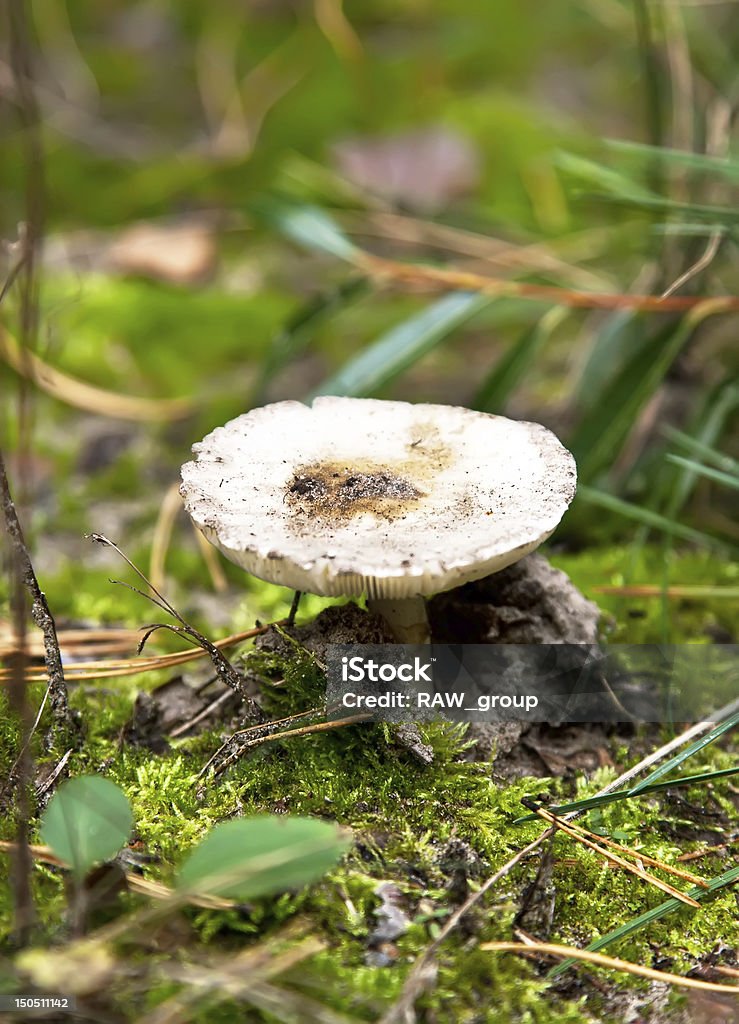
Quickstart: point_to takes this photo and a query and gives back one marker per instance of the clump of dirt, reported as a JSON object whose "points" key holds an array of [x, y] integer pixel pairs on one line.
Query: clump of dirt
{"points": [[530, 602], [339, 624]]}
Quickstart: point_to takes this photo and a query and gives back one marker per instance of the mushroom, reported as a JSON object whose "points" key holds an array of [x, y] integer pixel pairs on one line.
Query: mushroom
{"points": [[394, 500]]}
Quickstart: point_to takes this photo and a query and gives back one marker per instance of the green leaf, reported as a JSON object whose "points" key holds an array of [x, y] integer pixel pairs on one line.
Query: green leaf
{"points": [[309, 226], [402, 346], [87, 821], [517, 361], [261, 855], [604, 428]]}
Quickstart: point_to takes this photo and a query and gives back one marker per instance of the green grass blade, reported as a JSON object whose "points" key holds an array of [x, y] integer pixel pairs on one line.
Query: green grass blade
{"points": [[308, 226], [717, 410], [604, 428], [677, 157], [729, 877], [687, 230], [715, 215], [647, 517], [588, 803], [621, 337], [517, 361], [597, 175], [300, 329], [705, 451], [705, 471], [674, 762], [402, 346]]}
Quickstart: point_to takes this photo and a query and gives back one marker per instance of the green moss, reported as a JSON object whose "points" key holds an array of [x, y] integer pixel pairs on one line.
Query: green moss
{"points": [[656, 619], [145, 335], [402, 814]]}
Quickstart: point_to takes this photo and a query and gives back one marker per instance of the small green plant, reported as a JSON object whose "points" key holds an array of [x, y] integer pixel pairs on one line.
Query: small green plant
{"points": [[261, 855], [87, 822], [89, 819]]}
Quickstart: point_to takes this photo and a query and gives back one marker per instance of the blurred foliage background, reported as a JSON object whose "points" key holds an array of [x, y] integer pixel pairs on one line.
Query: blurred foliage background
{"points": [[216, 183]]}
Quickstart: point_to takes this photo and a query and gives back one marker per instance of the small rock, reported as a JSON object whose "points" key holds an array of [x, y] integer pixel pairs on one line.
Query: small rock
{"points": [[392, 920]]}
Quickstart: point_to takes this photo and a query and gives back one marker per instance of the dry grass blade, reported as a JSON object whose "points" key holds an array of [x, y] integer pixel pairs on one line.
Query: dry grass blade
{"points": [[415, 275], [730, 972], [113, 668], [670, 592], [608, 961], [168, 510], [247, 970], [135, 882], [210, 557], [85, 396], [605, 847], [333, 22], [508, 256], [81, 642], [708, 850]]}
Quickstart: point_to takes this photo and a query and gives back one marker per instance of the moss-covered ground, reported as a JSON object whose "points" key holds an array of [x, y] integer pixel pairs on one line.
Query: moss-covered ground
{"points": [[403, 816]]}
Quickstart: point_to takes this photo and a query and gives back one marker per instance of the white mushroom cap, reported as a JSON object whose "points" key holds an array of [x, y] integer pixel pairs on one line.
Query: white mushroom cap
{"points": [[352, 496]]}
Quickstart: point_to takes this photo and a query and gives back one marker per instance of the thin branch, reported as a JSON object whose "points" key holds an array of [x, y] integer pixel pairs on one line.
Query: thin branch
{"points": [[64, 722], [162, 602], [22, 577], [417, 980], [224, 669]]}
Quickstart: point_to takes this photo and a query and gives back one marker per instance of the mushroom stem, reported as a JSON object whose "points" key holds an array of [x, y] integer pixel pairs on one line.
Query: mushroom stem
{"points": [[406, 617]]}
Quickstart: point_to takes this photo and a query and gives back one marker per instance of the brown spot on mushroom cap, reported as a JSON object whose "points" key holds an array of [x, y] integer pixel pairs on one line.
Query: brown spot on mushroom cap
{"points": [[333, 492]]}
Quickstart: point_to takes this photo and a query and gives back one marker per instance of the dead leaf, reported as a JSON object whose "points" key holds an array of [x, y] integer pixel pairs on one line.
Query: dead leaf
{"points": [[421, 170], [182, 253]]}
